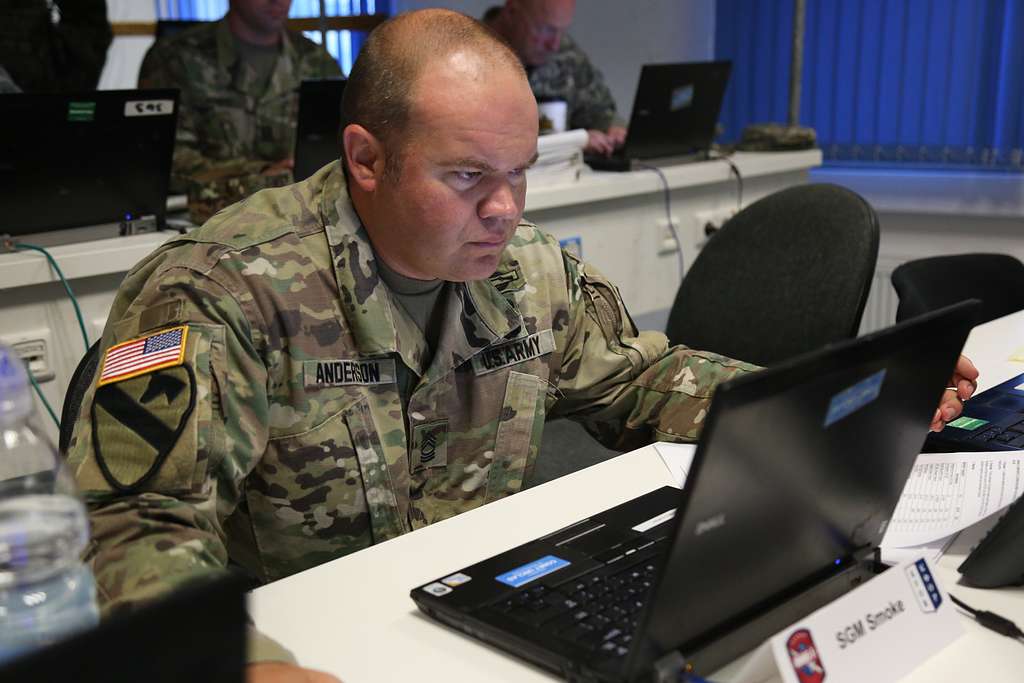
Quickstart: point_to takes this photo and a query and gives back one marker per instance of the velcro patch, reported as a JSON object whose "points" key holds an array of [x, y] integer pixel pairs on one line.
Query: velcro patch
{"points": [[430, 445], [520, 350], [136, 423], [342, 372], [142, 355]]}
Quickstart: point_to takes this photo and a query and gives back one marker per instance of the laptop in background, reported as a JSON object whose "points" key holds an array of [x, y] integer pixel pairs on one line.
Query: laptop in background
{"points": [[991, 421], [69, 161], [197, 634], [794, 480], [674, 115], [317, 131]]}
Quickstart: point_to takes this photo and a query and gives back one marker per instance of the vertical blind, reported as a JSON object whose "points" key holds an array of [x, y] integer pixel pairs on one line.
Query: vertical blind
{"points": [[938, 83], [342, 45]]}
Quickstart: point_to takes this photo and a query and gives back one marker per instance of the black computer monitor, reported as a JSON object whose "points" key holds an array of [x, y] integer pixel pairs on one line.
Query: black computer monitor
{"points": [[195, 634], [317, 140], [84, 159]]}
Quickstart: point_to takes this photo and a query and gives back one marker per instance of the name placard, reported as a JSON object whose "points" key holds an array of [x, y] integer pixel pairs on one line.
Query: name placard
{"points": [[878, 632]]}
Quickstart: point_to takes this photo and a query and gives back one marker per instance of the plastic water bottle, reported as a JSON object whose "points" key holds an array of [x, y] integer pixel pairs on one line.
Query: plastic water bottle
{"points": [[46, 592]]}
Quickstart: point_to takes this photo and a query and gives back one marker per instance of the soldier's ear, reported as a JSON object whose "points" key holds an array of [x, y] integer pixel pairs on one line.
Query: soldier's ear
{"points": [[364, 154]]}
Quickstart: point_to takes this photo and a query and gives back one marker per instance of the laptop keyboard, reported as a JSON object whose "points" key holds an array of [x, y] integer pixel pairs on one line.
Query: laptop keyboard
{"points": [[597, 612], [1011, 436]]}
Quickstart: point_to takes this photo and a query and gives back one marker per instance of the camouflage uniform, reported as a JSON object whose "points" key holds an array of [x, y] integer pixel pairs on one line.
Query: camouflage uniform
{"points": [[282, 439], [225, 128], [568, 75], [42, 56]]}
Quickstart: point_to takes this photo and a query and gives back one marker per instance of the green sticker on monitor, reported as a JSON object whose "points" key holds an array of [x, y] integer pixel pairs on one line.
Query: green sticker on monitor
{"points": [[81, 111], [968, 423]]}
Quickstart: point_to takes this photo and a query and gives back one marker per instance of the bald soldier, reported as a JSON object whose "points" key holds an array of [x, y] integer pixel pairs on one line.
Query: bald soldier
{"points": [[335, 363], [558, 68]]}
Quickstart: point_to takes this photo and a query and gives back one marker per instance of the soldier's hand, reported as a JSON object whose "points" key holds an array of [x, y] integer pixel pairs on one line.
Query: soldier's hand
{"points": [[278, 166], [961, 387], [617, 134], [279, 672], [599, 143]]}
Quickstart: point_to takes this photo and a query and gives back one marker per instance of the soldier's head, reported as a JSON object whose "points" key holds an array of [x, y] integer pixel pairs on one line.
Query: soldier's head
{"points": [[440, 126], [258, 21], [534, 28]]}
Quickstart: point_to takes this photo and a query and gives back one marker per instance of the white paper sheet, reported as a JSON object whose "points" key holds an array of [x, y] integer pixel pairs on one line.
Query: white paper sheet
{"points": [[677, 458], [947, 492]]}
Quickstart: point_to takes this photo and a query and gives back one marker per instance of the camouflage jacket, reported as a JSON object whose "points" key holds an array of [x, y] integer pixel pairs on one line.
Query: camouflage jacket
{"points": [[222, 121], [43, 56], [568, 75], [278, 437]]}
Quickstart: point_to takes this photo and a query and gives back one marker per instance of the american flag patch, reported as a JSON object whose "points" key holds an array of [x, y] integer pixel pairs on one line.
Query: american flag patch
{"points": [[135, 357]]}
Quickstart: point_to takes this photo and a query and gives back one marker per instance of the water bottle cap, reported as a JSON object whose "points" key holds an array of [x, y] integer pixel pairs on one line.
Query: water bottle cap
{"points": [[15, 396]]}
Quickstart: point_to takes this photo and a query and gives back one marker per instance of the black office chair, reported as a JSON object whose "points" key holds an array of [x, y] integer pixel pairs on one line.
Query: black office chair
{"points": [[79, 384], [927, 284], [786, 275]]}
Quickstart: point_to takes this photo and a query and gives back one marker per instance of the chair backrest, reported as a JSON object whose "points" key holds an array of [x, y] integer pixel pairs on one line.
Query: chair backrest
{"points": [[79, 384], [786, 275], [927, 284]]}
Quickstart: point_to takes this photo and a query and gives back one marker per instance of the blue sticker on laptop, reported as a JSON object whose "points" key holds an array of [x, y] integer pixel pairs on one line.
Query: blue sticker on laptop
{"points": [[534, 570], [852, 399]]}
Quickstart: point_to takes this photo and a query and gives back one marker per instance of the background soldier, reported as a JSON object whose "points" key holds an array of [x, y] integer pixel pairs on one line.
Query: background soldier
{"points": [[239, 80], [558, 68], [54, 51]]}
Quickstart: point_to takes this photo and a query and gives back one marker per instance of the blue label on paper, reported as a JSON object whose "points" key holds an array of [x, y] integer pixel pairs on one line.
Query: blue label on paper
{"points": [[849, 401], [534, 570], [573, 245]]}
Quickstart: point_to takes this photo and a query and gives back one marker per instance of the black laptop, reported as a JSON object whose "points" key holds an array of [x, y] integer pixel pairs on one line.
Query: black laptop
{"points": [[792, 485], [675, 112], [85, 159], [991, 421], [317, 141], [196, 634]]}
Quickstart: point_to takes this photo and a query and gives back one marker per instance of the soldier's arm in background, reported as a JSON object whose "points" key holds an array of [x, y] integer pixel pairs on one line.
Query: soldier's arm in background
{"points": [[161, 457], [628, 388], [81, 39], [593, 105]]}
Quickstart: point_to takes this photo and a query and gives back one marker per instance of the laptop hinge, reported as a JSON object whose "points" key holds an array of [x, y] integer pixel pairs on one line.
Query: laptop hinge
{"points": [[669, 668]]}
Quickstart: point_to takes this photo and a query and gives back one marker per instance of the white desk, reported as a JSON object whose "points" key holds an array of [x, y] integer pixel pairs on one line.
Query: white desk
{"points": [[353, 616]]}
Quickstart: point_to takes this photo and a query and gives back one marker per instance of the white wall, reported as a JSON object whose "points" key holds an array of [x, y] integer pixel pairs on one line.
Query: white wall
{"points": [[621, 35]]}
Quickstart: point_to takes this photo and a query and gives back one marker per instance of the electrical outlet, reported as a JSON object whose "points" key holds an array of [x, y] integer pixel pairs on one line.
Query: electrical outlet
{"points": [[711, 220], [667, 242], [35, 347]]}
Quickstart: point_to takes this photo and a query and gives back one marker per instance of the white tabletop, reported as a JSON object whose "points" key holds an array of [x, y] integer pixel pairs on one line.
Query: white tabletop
{"points": [[353, 617]]}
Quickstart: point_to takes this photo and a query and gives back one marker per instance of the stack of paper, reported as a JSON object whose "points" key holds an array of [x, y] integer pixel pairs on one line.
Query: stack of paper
{"points": [[559, 157], [946, 493]]}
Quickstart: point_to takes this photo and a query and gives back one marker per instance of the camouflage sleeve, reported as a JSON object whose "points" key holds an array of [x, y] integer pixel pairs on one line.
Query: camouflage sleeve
{"points": [[161, 456], [593, 106], [82, 38], [628, 388]]}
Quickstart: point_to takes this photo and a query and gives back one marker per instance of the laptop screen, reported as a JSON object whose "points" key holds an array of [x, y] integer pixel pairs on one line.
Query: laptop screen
{"points": [[800, 467], [317, 134], [85, 159], [676, 109]]}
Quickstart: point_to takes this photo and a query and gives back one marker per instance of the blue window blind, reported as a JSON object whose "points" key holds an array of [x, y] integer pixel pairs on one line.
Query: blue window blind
{"points": [[934, 83], [342, 45]]}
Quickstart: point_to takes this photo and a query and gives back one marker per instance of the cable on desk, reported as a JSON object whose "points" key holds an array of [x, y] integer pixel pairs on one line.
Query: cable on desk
{"points": [[739, 177], [991, 620], [63, 281], [668, 212]]}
